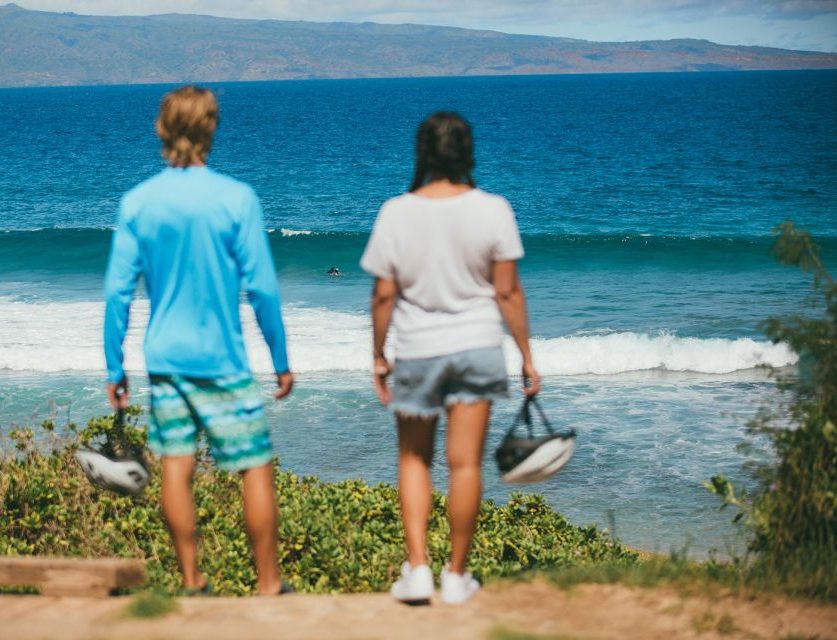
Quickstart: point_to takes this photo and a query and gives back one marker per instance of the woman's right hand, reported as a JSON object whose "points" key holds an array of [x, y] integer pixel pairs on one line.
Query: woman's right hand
{"points": [[380, 371], [531, 379]]}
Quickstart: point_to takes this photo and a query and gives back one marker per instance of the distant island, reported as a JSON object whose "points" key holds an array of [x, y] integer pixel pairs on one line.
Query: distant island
{"points": [[39, 48]]}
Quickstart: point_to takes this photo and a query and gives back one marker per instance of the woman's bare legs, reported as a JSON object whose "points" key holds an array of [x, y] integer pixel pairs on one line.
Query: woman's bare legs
{"points": [[467, 426], [415, 487]]}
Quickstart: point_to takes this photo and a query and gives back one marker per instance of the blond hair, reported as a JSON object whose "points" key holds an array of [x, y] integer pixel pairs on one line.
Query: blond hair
{"points": [[186, 124]]}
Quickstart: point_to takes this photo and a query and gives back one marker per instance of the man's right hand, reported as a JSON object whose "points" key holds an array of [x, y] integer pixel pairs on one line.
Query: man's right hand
{"points": [[118, 394], [285, 382], [531, 380]]}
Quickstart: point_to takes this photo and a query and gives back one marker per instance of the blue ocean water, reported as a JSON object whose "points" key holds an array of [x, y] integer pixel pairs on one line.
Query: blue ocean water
{"points": [[646, 204]]}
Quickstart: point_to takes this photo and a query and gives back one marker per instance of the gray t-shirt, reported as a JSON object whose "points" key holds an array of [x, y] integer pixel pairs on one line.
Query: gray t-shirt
{"points": [[439, 251]]}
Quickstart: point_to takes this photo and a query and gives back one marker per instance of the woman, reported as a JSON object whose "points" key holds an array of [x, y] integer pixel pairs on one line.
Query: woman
{"points": [[444, 260]]}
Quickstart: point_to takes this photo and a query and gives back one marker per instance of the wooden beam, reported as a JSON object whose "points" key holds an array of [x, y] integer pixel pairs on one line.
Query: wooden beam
{"points": [[56, 576]]}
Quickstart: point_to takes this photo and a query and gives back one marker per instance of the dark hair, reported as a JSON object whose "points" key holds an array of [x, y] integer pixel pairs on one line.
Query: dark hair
{"points": [[444, 149]]}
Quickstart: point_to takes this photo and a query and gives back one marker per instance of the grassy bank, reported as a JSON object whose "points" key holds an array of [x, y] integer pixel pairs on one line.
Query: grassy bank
{"points": [[806, 578], [334, 537]]}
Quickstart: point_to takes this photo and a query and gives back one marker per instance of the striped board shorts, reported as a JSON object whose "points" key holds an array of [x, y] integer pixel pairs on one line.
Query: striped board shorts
{"points": [[229, 410]]}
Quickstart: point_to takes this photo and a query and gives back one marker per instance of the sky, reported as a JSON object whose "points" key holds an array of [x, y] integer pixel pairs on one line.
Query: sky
{"points": [[790, 24]]}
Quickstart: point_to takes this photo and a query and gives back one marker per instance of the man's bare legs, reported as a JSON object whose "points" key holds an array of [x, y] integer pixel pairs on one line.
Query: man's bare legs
{"points": [[415, 487], [260, 515], [467, 426], [179, 513]]}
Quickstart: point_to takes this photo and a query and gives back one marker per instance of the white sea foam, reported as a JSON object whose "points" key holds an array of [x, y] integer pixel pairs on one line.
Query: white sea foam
{"points": [[290, 233], [626, 351], [66, 336]]}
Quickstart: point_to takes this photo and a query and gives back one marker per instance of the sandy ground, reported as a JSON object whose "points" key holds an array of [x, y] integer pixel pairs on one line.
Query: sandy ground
{"points": [[585, 612]]}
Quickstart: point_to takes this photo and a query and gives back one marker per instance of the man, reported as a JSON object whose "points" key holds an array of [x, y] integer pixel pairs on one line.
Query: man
{"points": [[197, 237]]}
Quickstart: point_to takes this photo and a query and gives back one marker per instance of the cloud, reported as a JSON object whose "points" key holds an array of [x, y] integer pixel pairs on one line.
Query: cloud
{"points": [[795, 9], [368, 9]]}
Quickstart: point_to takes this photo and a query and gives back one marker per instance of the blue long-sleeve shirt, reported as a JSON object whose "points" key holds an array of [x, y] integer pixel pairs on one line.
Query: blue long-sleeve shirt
{"points": [[197, 237]]}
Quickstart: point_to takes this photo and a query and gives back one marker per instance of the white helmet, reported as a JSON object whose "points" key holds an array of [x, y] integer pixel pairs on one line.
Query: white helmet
{"points": [[119, 466], [126, 476], [529, 459]]}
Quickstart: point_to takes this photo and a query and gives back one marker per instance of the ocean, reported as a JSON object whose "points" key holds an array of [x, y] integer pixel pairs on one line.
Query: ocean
{"points": [[646, 204]]}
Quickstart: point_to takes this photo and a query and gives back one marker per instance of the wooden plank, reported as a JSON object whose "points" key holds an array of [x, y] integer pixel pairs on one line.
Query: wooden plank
{"points": [[56, 576]]}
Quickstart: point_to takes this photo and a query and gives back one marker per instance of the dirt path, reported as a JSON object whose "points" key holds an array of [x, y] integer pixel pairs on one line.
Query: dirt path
{"points": [[586, 612]]}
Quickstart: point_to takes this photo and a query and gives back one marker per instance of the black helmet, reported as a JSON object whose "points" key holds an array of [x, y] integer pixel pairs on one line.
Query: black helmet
{"points": [[532, 459], [118, 465]]}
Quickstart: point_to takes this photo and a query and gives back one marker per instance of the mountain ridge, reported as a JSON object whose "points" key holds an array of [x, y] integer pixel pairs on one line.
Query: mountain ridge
{"points": [[42, 48]]}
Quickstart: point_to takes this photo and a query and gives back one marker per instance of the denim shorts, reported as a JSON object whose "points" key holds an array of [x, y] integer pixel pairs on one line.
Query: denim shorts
{"points": [[426, 386], [229, 410]]}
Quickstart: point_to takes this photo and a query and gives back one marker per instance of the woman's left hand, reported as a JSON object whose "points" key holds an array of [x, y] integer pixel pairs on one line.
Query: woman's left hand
{"points": [[531, 380], [380, 372]]}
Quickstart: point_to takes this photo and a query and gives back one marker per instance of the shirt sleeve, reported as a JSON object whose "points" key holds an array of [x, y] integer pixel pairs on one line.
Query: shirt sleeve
{"points": [[120, 283], [378, 258], [507, 245], [258, 278]]}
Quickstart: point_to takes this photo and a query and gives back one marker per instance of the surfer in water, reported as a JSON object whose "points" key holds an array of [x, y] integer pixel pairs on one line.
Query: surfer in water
{"points": [[334, 271]]}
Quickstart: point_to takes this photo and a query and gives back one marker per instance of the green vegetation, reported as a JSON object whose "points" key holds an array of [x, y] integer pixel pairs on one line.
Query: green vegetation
{"points": [[708, 621], [674, 570], [792, 516], [334, 537], [150, 604], [502, 633], [726, 624]]}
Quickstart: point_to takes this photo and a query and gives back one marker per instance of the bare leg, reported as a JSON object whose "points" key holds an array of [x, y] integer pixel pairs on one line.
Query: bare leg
{"points": [[467, 425], [260, 516], [415, 488], [179, 513]]}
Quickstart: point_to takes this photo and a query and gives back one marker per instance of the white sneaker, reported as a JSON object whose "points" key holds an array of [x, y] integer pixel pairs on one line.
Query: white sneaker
{"points": [[415, 584], [458, 587]]}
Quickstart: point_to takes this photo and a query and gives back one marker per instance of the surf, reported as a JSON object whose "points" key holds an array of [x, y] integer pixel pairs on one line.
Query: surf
{"points": [[66, 336]]}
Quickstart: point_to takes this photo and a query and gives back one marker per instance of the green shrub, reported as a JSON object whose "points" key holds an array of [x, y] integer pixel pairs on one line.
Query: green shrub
{"points": [[503, 633], [333, 537], [150, 604], [792, 516]]}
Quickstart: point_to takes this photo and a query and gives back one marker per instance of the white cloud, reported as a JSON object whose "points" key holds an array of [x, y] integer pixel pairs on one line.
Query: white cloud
{"points": [[367, 9]]}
